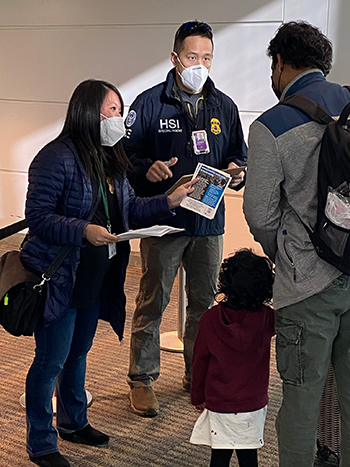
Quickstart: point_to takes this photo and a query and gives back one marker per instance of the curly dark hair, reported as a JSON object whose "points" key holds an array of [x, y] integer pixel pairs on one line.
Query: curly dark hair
{"points": [[246, 280], [303, 46]]}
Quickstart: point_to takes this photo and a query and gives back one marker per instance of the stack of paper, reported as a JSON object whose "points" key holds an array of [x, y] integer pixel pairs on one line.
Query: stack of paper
{"points": [[154, 231]]}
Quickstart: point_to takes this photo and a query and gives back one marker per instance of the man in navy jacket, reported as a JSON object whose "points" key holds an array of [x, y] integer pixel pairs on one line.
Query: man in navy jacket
{"points": [[160, 133]]}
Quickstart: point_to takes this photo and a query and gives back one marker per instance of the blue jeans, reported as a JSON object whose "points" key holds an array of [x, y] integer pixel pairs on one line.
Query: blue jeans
{"points": [[310, 334], [60, 355]]}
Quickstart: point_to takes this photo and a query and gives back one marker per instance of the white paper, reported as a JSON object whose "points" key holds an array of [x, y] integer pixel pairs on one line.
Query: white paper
{"points": [[154, 231], [208, 191]]}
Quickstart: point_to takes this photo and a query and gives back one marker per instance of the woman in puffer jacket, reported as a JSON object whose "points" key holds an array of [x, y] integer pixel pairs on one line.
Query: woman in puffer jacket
{"points": [[79, 174]]}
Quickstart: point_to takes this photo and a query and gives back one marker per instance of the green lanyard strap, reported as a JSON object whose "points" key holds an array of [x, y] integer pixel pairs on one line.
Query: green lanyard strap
{"points": [[105, 200]]}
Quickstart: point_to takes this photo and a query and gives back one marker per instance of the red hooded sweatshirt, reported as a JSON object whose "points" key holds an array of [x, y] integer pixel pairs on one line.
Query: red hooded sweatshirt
{"points": [[231, 359]]}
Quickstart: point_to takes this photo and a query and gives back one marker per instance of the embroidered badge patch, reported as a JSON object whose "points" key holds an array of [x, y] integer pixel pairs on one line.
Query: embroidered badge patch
{"points": [[215, 126], [130, 119]]}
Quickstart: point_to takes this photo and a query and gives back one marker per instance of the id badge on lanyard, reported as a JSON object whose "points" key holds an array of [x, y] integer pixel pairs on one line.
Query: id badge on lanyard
{"points": [[112, 250], [112, 247], [200, 142]]}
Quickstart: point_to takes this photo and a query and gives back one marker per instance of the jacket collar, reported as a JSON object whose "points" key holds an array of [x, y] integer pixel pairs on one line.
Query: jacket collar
{"points": [[302, 80]]}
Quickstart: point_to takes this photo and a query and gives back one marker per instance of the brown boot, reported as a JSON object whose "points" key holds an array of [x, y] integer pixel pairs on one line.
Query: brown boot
{"points": [[143, 401]]}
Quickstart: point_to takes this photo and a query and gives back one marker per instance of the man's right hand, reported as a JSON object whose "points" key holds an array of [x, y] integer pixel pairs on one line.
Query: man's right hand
{"points": [[160, 170]]}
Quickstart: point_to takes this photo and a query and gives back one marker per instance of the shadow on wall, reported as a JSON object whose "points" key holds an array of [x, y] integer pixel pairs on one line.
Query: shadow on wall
{"points": [[37, 84], [240, 67]]}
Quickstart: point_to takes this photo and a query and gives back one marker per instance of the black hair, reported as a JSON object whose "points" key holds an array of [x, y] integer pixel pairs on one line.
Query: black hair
{"points": [[82, 124], [302, 45], [191, 28], [245, 280]]}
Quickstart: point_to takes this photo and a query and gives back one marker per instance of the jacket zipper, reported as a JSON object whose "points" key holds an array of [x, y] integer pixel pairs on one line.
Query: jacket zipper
{"points": [[284, 232]]}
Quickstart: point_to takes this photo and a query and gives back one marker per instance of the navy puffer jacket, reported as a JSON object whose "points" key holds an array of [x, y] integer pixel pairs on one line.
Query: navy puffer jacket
{"points": [[59, 200]]}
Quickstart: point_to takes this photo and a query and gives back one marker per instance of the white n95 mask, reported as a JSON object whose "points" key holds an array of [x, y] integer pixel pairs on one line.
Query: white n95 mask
{"points": [[112, 130], [194, 77]]}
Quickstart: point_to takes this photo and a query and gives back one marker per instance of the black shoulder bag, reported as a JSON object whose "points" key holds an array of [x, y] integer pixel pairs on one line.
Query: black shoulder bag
{"points": [[23, 293]]}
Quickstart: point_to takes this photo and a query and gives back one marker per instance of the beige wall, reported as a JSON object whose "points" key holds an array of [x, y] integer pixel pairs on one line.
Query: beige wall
{"points": [[48, 46]]}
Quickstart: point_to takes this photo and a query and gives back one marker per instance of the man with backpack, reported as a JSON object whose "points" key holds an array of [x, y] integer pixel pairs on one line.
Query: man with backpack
{"points": [[311, 296]]}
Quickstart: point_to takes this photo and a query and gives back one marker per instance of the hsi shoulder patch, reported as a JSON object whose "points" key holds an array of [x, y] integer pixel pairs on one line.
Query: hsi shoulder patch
{"points": [[215, 126], [130, 119]]}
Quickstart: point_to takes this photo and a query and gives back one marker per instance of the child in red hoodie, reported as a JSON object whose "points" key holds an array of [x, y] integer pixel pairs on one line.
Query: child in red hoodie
{"points": [[230, 364]]}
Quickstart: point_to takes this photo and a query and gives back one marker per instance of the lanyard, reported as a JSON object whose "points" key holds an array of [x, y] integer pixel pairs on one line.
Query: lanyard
{"points": [[105, 201]]}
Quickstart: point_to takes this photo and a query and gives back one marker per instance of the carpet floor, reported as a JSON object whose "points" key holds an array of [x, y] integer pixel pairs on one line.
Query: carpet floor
{"points": [[135, 441]]}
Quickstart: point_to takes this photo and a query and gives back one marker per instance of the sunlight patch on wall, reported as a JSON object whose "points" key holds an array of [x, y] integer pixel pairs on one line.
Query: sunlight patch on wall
{"points": [[29, 146]]}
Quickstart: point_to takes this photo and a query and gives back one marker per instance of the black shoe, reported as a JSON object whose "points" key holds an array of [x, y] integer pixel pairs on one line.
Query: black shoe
{"points": [[186, 383], [325, 457], [87, 435], [50, 460]]}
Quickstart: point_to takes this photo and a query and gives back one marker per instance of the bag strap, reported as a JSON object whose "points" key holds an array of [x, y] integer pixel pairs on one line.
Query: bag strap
{"points": [[315, 111], [65, 250], [311, 108], [12, 229], [344, 115]]}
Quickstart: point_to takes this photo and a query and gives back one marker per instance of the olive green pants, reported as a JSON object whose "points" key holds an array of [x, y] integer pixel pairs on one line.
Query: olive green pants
{"points": [[161, 259], [310, 334]]}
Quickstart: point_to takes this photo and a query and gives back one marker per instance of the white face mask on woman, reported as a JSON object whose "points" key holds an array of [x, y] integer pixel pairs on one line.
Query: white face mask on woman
{"points": [[193, 77], [112, 130]]}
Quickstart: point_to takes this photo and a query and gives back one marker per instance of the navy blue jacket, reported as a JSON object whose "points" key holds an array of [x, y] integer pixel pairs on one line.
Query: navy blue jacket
{"points": [[158, 128], [59, 200]]}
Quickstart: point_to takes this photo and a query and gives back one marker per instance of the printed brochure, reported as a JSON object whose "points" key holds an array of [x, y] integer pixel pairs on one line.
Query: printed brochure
{"points": [[186, 178], [208, 191]]}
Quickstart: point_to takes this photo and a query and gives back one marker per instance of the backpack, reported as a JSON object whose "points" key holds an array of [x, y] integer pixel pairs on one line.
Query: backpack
{"points": [[331, 234]]}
